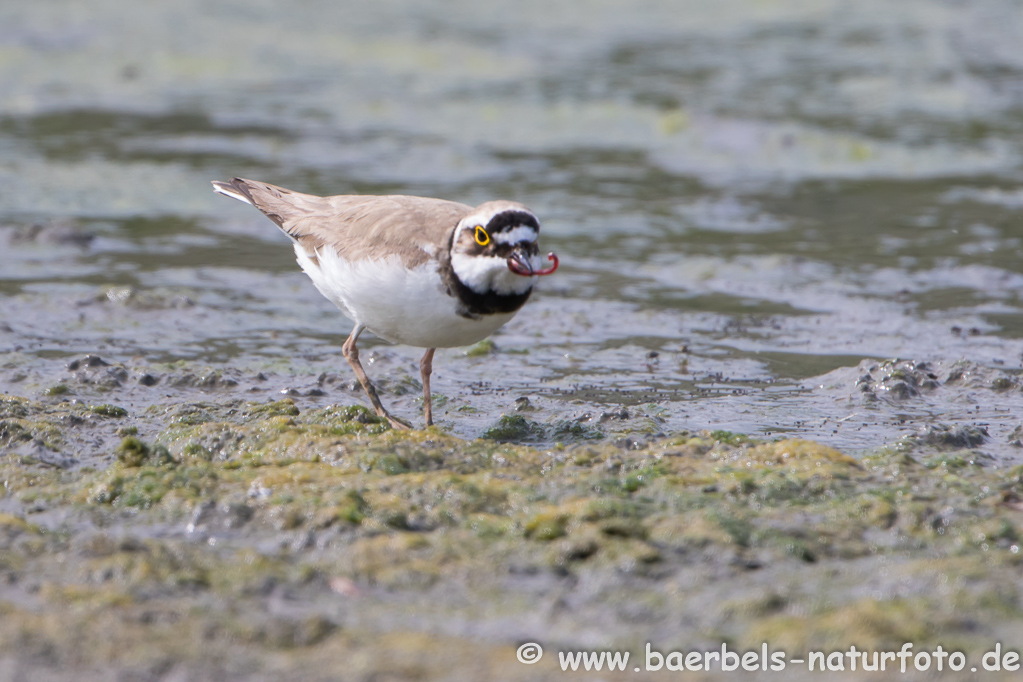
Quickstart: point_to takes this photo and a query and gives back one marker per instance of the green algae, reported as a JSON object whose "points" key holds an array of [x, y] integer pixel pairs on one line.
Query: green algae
{"points": [[514, 427], [11, 523], [518, 429], [112, 411], [279, 408], [728, 437], [570, 431], [547, 525], [12, 407], [405, 511], [310, 466], [481, 349], [132, 452]]}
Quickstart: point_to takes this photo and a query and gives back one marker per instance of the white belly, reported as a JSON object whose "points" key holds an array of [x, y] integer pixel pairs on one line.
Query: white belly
{"points": [[397, 304]]}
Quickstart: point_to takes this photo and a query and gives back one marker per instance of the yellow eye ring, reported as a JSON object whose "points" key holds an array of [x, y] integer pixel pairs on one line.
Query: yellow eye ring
{"points": [[482, 238]]}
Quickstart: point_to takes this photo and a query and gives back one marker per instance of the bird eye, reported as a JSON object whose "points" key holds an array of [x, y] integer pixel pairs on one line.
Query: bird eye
{"points": [[482, 238]]}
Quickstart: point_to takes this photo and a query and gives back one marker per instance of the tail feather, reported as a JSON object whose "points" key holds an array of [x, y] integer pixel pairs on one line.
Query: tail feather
{"points": [[289, 210], [276, 203], [234, 189]]}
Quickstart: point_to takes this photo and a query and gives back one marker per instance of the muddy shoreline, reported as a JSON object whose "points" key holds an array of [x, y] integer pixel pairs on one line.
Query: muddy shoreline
{"points": [[239, 535]]}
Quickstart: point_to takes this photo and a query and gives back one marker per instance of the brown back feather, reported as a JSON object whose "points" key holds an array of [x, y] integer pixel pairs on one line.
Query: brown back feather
{"points": [[359, 227]]}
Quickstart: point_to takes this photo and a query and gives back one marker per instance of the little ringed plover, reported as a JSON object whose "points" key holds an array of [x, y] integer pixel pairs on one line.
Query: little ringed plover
{"points": [[412, 270]]}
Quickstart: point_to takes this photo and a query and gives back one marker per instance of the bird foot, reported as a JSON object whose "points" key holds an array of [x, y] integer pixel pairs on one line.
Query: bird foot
{"points": [[397, 423]]}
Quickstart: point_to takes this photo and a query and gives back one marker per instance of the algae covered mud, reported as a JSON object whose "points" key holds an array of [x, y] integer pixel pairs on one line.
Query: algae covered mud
{"points": [[255, 540], [796, 221]]}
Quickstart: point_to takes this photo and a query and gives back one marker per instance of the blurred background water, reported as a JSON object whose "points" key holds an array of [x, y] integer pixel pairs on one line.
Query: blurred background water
{"points": [[754, 201]]}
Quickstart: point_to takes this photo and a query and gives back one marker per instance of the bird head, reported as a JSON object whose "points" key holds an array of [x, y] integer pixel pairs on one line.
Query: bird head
{"points": [[495, 249]]}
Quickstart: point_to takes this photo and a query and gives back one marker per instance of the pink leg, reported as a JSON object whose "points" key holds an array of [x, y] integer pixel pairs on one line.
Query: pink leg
{"points": [[351, 353], [425, 369]]}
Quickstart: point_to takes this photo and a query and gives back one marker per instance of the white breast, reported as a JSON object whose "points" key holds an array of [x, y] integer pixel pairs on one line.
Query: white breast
{"points": [[396, 303]]}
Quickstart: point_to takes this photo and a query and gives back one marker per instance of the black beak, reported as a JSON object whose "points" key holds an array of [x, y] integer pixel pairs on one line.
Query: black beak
{"points": [[519, 263]]}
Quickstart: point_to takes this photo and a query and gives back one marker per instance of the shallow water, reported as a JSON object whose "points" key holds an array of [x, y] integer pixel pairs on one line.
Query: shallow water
{"points": [[754, 202]]}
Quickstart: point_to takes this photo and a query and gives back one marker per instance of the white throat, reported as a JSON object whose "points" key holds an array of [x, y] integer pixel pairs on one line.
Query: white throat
{"points": [[484, 274]]}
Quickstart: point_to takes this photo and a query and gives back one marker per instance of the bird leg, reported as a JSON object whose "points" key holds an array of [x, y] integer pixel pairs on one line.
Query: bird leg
{"points": [[425, 369], [351, 353]]}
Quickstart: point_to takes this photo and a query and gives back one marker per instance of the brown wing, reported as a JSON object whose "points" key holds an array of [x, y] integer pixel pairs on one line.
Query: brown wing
{"points": [[357, 227]]}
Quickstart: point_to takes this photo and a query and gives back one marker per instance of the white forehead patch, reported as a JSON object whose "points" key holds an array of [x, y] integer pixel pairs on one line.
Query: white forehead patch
{"points": [[522, 233], [483, 219], [472, 221]]}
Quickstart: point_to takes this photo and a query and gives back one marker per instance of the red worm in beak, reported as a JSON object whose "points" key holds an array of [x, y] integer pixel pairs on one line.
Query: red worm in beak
{"points": [[553, 258], [519, 269]]}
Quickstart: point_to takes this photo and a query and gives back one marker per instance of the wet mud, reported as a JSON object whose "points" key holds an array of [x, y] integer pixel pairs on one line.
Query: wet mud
{"points": [[245, 538]]}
